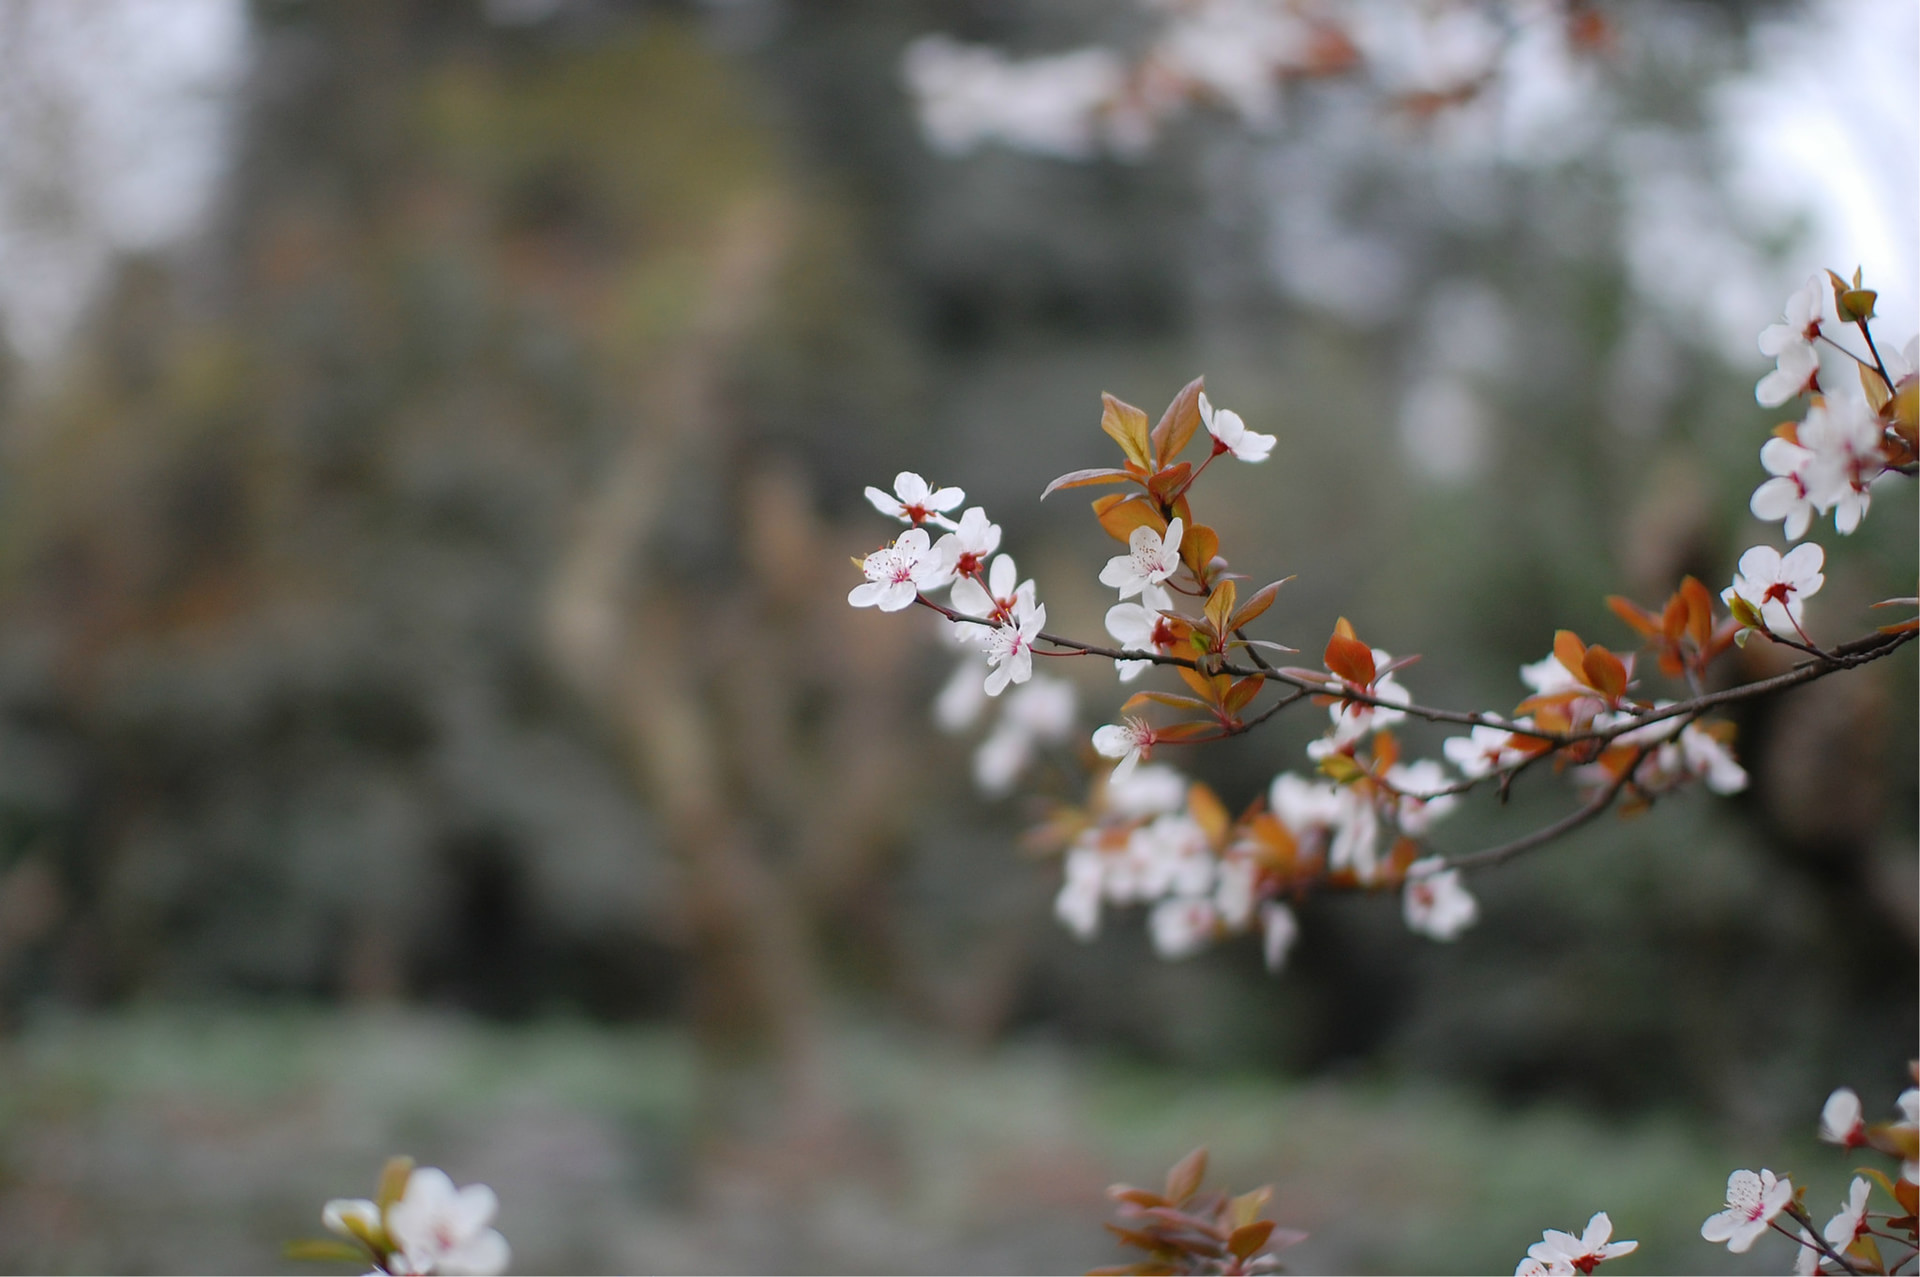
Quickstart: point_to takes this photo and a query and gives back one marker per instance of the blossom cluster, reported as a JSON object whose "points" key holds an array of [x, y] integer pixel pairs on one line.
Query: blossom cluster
{"points": [[1361, 816], [1237, 55], [417, 1223], [1850, 1241]]}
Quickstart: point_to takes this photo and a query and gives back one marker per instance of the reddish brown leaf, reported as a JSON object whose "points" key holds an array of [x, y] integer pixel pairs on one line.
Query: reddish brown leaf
{"points": [[1351, 659], [1258, 602], [1184, 731], [1178, 422], [1165, 483], [1241, 694], [1570, 651], [1249, 1238], [1604, 671], [1086, 479], [1140, 699], [1186, 1175], [1634, 615], [1699, 611], [1199, 682]]}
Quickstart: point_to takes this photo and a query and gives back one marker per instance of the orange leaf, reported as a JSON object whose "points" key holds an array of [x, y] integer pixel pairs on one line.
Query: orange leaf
{"points": [[1250, 1238], [1127, 426], [1199, 682], [1121, 513], [1140, 700], [1258, 602], [1186, 1175], [1086, 479], [1241, 694], [1178, 422], [1220, 605], [1604, 671], [1699, 611], [1344, 628], [1209, 812], [1169, 481], [1198, 545], [1570, 651], [1183, 731], [1633, 614], [1348, 657]]}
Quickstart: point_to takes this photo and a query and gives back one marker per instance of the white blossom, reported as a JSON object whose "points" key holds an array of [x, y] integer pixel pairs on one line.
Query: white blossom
{"points": [[968, 95], [1845, 1226], [962, 698], [1150, 559], [1041, 712], [1843, 436], [1788, 496], [1841, 1120], [1278, 930], [997, 600], [1147, 791], [1181, 927], [438, 1228], [1791, 345], [1752, 1202], [1419, 802], [1128, 741], [1174, 857], [898, 573], [1548, 677], [1775, 585], [1078, 904], [1010, 646], [913, 501], [974, 538], [1583, 1253], [1485, 750], [1140, 627], [1435, 903], [1230, 433]]}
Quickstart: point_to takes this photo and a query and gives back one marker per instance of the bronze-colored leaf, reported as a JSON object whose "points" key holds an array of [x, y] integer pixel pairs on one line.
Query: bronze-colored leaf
{"points": [[1127, 426], [1351, 659], [1249, 1238], [1570, 651], [1087, 479], [1258, 602], [1220, 606], [1178, 422], [1121, 513], [1197, 547], [1241, 694]]}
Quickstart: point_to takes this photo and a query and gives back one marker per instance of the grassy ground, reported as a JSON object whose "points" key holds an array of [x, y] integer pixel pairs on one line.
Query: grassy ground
{"points": [[170, 1140]]}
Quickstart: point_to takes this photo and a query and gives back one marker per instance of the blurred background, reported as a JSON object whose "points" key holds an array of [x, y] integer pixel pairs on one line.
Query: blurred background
{"points": [[432, 435]]}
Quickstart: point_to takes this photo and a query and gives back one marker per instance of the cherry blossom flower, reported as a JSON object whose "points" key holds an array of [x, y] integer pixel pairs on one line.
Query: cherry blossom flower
{"points": [[1147, 791], [1806, 1260], [1129, 742], [1531, 1267], [438, 1228], [1752, 1202], [996, 601], [1580, 1254], [1039, 713], [1435, 903], [897, 574], [1233, 890], [1419, 802], [1791, 344], [1150, 559], [1181, 927], [1230, 433], [1174, 857], [1788, 495], [1909, 1106], [1010, 646], [1843, 436], [1841, 1121], [1353, 720], [1278, 930], [1705, 758], [1305, 806], [1844, 1227], [912, 501], [1485, 750], [962, 698], [1548, 677], [1775, 585], [1356, 836], [974, 538], [1139, 627], [1078, 904]]}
